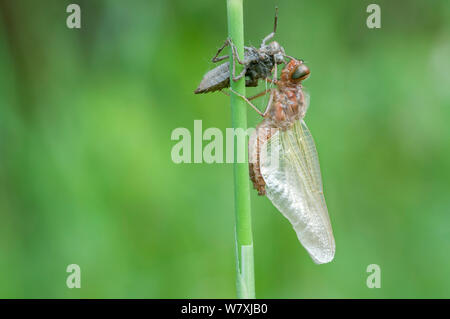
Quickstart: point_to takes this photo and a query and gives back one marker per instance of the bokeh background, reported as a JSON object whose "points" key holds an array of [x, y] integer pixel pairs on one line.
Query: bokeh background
{"points": [[86, 174]]}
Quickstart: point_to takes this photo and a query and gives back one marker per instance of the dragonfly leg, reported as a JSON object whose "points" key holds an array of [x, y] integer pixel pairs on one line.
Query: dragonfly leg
{"points": [[267, 38], [236, 58], [272, 34], [275, 73], [216, 58], [224, 57], [269, 104], [240, 76], [252, 97], [258, 95], [271, 81], [290, 57], [247, 100], [234, 51]]}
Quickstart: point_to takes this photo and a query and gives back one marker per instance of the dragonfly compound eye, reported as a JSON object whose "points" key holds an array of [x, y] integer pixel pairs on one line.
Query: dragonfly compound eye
{"points": [[300, 73]]}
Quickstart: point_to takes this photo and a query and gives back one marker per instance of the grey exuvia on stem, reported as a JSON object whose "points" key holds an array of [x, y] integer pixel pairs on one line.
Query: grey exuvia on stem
{"points": [[258, 63]]}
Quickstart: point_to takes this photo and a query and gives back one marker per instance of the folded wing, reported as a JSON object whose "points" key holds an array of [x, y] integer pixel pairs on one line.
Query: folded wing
{"points": [[290, 168]]}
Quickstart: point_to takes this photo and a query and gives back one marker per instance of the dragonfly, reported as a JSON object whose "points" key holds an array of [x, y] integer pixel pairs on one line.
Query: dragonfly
{"points": [[284, 164], [258, 63]]}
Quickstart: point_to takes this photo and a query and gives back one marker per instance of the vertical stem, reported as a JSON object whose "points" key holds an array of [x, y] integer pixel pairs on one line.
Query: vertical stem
{"points": [[244, 239]]}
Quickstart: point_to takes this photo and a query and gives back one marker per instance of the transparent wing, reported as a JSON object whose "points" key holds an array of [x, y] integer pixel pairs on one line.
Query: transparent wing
{"points": [[290, 167]]}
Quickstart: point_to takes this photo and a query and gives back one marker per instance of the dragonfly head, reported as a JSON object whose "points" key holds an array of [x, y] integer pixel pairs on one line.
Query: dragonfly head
{"points": [[295, 71]]}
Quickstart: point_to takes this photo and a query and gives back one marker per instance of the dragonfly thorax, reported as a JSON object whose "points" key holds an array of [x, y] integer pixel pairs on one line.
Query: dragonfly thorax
{"points": [[288, 106]]}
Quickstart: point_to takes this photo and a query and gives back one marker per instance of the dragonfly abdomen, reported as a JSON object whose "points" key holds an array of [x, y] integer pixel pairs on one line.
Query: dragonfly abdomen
{"points": [[260, 136], [216, 79]]}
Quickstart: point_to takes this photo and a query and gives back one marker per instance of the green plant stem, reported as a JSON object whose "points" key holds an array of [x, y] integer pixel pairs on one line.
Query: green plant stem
{"points": [[244, 238]]}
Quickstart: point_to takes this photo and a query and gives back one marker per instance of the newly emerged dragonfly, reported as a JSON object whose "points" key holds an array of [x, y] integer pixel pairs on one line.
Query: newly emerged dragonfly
{"points": [[258, 64], [284, 163]]}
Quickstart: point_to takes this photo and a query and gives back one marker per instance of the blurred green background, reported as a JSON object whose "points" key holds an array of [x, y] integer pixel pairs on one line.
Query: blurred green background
{"points": [[86, 174]]}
